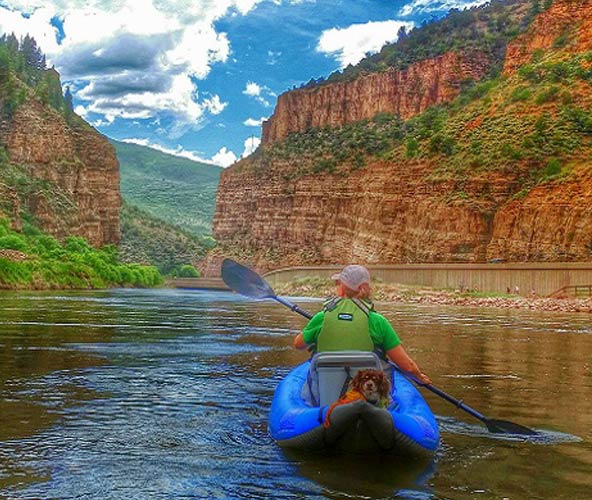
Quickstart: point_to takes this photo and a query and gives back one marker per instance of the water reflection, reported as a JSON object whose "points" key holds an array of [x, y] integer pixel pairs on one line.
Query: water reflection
{"points": [[366, 477], [164, 394]]}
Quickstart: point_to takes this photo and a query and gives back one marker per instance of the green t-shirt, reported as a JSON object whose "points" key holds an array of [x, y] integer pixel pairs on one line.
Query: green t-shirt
{"points": [[382, 333]]}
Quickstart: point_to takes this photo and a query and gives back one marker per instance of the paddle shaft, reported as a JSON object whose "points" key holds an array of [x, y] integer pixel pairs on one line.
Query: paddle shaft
{"points": [[456, 402], [292, 306]]}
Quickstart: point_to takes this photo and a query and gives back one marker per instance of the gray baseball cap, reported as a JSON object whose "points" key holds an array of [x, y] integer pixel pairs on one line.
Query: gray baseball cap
{"points": [[353, 276]]}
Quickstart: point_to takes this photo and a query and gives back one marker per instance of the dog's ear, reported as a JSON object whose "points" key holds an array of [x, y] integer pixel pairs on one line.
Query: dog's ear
{"points": [[357, 380], [384, 384]]}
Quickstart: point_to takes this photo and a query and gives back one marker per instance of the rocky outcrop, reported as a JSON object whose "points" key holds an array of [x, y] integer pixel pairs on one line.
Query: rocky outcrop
{"points": [[571, 19], [553, 223], [406, 93], [383, 213], [77, 192]]}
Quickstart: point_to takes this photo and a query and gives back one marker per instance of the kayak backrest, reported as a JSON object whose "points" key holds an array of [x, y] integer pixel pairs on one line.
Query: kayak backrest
{"points": [[331, 372]]}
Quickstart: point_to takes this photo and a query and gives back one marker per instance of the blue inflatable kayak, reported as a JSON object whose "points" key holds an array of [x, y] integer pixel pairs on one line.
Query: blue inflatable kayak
{"points": [[407, 426]]}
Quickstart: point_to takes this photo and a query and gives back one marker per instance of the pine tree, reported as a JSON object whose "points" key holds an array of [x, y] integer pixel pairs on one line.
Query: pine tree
{"points": [[68, 101]]}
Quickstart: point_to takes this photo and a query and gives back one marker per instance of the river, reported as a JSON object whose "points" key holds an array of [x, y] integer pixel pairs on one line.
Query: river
{"points": [[164, 394]]}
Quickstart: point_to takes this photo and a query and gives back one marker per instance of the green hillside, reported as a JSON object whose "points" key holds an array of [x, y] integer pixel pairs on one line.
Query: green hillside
{"points": [[177, 190], [149, 240]]}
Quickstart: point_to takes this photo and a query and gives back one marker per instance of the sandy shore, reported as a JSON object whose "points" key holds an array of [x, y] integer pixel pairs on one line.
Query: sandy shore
{"points": [[387, 293]]}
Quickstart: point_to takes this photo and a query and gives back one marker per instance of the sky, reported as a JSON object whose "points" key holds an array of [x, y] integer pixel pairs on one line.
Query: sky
{"points": [[196, 78]]}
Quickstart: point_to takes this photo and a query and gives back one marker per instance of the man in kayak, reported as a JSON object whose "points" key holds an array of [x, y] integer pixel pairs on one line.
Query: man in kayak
{"points": [[349, 322]]}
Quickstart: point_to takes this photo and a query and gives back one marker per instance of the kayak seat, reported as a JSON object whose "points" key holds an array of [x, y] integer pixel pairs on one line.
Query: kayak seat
{"points": [[330, 373]]}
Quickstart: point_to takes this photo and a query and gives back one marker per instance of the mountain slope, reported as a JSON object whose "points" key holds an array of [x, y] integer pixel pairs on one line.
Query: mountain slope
{"points": [[177, 190], [502, 171]]}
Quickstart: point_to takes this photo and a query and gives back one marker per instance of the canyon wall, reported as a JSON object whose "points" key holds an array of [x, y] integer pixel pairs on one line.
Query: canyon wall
{"points": [[571, 19], [406, 93], [77, 192], [404, 210]]}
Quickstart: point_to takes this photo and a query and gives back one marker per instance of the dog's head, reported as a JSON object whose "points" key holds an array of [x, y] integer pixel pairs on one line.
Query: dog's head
{"points": [[373, 384]]}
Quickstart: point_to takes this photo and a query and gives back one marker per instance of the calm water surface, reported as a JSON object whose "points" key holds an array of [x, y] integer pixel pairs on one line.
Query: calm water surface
{"points": [[164, 394]]}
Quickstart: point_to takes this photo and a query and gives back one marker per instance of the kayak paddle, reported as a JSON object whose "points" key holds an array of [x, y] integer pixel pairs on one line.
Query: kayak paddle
{"points": [[247, 282], [493, 424]]}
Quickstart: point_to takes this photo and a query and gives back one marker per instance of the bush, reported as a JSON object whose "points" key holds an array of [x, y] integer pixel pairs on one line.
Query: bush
{"points": [[412, 148], [581, 119], [75, 264], [13, 242], [553, 168], [547, 95], [520, 94], [188, 271]]}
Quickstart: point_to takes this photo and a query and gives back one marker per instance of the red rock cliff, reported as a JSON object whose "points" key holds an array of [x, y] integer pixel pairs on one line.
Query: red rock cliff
{"points": [[404, 210], [82, 194], [564, 17], [406, 93]]}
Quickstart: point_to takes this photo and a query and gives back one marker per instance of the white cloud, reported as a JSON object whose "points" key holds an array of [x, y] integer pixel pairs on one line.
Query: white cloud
{"points": [[252, 89], [260, 93], [252, 122], [273, 57], [214, 105], [427, 6], [224, 157], [350, 45], [251, 144], [130, 58]]}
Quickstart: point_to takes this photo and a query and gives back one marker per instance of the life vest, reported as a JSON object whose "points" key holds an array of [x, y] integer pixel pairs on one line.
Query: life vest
{"points": [[345, 326]]}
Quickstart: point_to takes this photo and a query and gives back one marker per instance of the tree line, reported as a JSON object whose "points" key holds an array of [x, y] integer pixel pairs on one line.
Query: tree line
{"points": [[23, 62]]}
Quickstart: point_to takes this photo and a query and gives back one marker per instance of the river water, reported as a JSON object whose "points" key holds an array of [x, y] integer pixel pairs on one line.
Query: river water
{"points": [[164, 394]]}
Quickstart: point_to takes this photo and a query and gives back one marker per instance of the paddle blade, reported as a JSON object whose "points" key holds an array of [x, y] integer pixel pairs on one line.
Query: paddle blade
{"points": [[505, 427], [245, 281]]}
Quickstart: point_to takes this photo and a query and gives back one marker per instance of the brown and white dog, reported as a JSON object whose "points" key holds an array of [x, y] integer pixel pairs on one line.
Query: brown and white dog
{"points": [[373, 385]]}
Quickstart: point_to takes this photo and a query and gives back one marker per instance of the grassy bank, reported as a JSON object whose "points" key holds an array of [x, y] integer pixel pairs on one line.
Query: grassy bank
{"points": [[33, 260]]}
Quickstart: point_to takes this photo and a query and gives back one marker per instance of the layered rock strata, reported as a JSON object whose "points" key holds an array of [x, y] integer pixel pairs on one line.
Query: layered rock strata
{"points": [[406, 93], [79, 193]]}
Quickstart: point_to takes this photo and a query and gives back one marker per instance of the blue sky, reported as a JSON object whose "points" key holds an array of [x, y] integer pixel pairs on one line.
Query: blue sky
{"points": [[196, 77]]}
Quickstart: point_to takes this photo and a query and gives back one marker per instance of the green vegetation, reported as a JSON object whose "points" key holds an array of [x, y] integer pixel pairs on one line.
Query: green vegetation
{"points": [[176, 190], [534, 125], [485, 29], [32, 259], [23, 69], [147, 239]]}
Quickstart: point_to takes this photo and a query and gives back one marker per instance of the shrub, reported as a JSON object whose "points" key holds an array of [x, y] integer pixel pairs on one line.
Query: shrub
{"points": [[520, 94], [547, 95], [13, 242], [553, 168], [441, 143], [188, 271], [581, 119], [412, 148]]}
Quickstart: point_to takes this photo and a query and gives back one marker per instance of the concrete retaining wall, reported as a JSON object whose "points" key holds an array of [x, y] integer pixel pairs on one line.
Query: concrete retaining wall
{"points": [[540, 278]]}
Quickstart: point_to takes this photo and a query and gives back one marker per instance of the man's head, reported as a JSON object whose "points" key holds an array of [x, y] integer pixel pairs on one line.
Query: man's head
{"points": [[355, 278]]}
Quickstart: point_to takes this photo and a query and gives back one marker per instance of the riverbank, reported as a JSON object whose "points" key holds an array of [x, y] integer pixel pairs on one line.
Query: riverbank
{"points": [[421, 295]]}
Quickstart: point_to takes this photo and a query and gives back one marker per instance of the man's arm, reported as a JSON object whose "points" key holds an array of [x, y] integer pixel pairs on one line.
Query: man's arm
{"points": [[299, 342], [309, 335], [398, 356]]}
